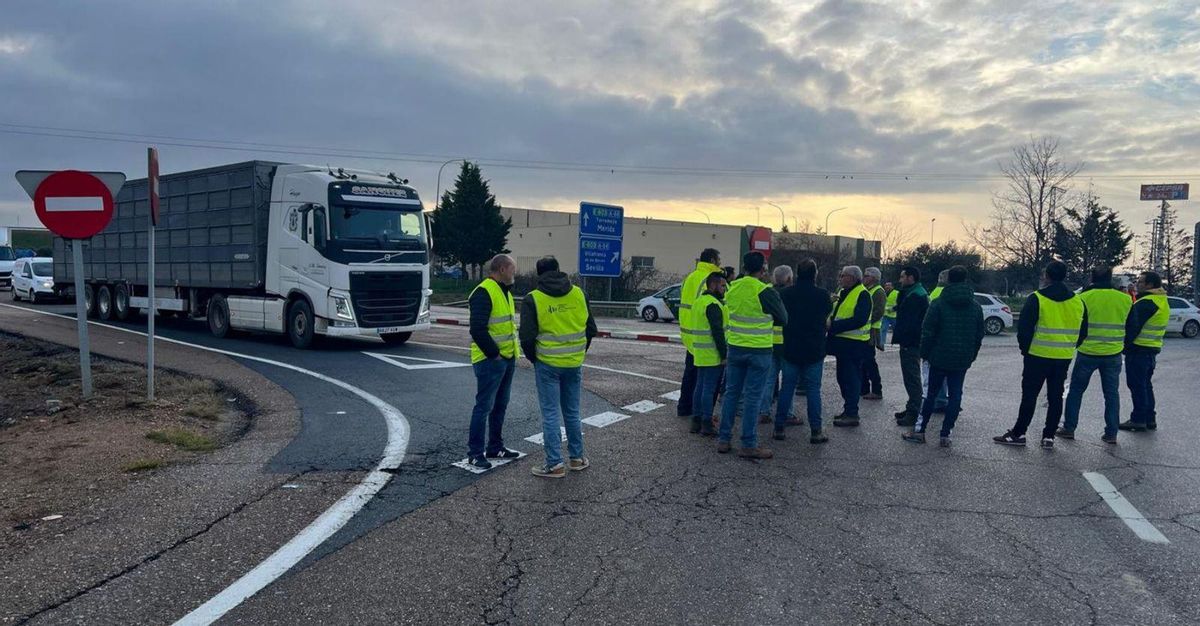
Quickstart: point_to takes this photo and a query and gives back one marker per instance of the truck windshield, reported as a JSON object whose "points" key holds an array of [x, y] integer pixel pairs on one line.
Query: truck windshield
{"points": [[6, 254], [43, 269], [378, 225]]}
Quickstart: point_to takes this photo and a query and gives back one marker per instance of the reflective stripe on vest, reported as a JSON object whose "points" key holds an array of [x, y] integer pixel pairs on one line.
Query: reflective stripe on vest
{"points": [[689, 291], [704, 348], [562, 328], [749, 325], [877, 324], [936, 293], [1057, 329], [500, 322], [892, 299], [1107, 310], [777, 335], [1151, 335], [843, 312]]}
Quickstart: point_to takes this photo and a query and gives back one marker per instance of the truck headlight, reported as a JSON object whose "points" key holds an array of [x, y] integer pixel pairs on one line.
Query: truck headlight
{"points": [[341, 308], [48, 284]]}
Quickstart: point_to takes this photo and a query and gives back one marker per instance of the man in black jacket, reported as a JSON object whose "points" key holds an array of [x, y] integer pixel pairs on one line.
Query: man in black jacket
{"points": [[850, 340], [808, 307], [492, 362], [911, 305], [1144, 331]]}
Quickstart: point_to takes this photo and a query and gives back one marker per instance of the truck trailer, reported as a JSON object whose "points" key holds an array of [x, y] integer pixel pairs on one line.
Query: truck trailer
{"points": [[267, 247]]}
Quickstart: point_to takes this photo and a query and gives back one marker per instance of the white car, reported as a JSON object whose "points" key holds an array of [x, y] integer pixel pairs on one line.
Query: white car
{"points": [[996, 315], [7, 259], [1185, 318], [33, 279], [654, 307]]}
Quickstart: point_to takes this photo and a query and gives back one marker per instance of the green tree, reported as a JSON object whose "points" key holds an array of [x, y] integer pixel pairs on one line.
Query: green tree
{"points": [[931, 260], [467, 227], [1090, 237]]}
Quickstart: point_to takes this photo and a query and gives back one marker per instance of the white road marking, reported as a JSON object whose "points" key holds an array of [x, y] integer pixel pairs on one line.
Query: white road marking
{"points": [[320, 529], [600, 420], [594, 367], [464, 464], [538, 440], [1124, 510], [426, 364], [643, 406], [672, 395]]}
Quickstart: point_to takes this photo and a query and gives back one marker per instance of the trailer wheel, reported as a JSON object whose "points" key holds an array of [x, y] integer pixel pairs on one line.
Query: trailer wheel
{"points": [[121, 303], [104, 303], [89, 300], [395, 339], [300, 324], [218, 316]]}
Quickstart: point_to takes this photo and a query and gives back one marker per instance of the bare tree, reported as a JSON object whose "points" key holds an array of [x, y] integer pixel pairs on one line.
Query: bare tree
{"points": [[891, 231], [1021, 231]]}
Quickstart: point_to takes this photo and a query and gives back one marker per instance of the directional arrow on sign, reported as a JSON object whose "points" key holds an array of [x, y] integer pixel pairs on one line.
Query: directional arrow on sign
{"points": [[424, 364], [616, 255]]}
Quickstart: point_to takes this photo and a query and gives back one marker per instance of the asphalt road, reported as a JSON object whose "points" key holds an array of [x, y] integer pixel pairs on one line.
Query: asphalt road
{"points": [[865, 529]]}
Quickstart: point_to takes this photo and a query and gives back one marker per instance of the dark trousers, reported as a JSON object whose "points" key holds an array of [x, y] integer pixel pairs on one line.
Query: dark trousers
{"points": [[910, 368], [954, 386], [688, 388], [849, 378], [493, 379], [1039, 371], [1139, 370], [870, 373]]}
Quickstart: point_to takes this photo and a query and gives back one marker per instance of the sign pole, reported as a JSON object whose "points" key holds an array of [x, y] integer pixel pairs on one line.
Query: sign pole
{"points": [[85, 351], [152, 196]]}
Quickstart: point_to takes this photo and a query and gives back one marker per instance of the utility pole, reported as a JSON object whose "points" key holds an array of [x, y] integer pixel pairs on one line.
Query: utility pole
{"points": [[931, 221]]}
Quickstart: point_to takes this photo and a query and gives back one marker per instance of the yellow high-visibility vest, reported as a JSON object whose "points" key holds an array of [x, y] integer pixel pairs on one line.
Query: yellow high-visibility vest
{"points": [[704, 347], [845, 311], [749, 325], [562, 327], [878, 324], [1057, 329], [500, 322], [1151, 335], [691, 289], [892, 299], [1107, 310]]}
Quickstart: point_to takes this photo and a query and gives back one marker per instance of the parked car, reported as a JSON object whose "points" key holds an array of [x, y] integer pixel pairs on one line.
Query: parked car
{"points": [[996, 315], [658, 306], [1185, 318], [33, 279]]}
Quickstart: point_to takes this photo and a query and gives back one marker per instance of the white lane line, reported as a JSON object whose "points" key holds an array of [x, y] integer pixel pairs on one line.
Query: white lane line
{"points": [[672, 395], [320, 529], [607, 418], [642, 406], [1124, 510], [539, 440], [595, 367]]}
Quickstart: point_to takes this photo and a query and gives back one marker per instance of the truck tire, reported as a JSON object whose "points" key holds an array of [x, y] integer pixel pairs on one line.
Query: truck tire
{"points": [[218, 316], [89, 300], [300, 324], [121, 303], [395, 339], [104, 303]]}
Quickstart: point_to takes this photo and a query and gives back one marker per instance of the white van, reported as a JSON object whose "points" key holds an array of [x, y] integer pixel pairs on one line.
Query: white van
{"points": [[33, 279]]}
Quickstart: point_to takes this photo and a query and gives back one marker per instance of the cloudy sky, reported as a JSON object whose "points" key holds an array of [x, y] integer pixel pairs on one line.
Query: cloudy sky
{"points": [[673, 109]]}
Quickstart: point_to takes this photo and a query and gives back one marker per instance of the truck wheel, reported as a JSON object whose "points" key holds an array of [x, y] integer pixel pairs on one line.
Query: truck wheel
{"points": [[218, 316], [395, 339], [300, 324], [104, 303], [89, 300], [121, 303]]}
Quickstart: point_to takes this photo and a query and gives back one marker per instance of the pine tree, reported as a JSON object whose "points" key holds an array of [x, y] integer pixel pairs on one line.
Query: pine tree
{"points": [[1090, 237], [467, 226]]}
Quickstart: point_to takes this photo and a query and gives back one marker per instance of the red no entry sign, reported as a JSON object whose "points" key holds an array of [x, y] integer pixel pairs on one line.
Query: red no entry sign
{"points": [[71, 203]]}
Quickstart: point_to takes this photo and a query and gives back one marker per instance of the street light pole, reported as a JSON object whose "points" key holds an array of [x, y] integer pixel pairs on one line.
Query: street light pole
{"points": [[782, 217], [438, 189], [831, 213], [704, 214], [931, 221]]}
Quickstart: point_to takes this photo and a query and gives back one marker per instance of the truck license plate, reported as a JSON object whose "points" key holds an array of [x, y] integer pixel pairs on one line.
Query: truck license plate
{"points": [[389, 330]]}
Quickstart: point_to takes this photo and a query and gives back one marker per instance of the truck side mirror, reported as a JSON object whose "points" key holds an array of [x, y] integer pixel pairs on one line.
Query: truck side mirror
{"points": [[320, 233]]}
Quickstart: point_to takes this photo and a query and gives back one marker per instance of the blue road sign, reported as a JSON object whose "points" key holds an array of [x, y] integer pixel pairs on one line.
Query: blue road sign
{"points": [[599, 256], [601, 220]]}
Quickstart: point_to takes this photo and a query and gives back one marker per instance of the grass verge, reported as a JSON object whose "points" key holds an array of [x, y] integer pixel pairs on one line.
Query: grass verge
{"points": [[182, 439]]}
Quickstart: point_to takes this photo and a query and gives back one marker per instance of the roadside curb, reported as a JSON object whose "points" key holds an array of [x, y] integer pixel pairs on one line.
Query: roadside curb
{"points": [[607, 334]]}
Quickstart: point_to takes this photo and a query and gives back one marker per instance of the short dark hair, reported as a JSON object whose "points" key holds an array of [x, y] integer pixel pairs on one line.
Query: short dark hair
{"points": [[1102, 274], [806, 270], [753, 262], [1056, 270], [547, 264], [729, 272], [713, 279], [710, 255], [957, 274], [909, 270], [1153, 280]]}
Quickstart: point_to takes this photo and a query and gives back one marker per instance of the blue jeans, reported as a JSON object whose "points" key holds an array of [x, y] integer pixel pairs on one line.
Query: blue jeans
{"points": [[888, 322], [793, 376], [1139, 372], [493, 381], [849, 378], [1110, 382], [768, 392], [745, 374], [706, 394], [558, 394], [953, 380]]}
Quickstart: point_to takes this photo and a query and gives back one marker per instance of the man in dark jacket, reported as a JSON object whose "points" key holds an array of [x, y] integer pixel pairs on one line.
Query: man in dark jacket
{"points": [[850, 340], [494, 358], [1144, 331], [808, 307], [911, 305], [950, 339]]}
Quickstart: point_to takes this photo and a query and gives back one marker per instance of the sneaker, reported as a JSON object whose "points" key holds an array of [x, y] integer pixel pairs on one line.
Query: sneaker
{"points": [[1009, 439], [779, 436], [1108, 438], [908, 420], [755, 453], [944, 442], [818, 436], [578, 465], [480, 462], [1131, 425], [723, 447], [548, 471], [1065, 434], [504, 453], [846, 421], [1047, 444], [913, 437]]}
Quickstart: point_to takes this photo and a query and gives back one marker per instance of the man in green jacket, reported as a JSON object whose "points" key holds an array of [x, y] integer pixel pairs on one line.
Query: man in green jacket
{"points": [[951, 336]]}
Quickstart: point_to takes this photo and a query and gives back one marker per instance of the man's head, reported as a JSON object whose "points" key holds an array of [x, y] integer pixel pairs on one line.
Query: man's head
{"points": [[1102, 275], [872, 276], [956, 274], [716, 284], [850, 276], [909, 276], [1149, 280], [502, 269], [730, 273], [888, 287], [1055, 272], [755, 264], [806, 271], [781, 277], [546, 264], [943, 277], [710, 255]]}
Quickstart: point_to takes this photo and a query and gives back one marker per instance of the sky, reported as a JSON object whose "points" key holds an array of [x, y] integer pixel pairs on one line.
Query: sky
{"points": [[687, 110]]}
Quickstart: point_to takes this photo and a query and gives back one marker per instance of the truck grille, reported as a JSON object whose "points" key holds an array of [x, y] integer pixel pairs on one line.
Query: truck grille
{"points": [[385, 298]]}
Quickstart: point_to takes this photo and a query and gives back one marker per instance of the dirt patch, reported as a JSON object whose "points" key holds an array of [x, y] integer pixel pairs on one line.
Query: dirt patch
{"points": [[58, 453]]}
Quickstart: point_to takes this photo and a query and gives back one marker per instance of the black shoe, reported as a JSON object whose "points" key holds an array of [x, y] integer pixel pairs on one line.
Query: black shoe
{"points": [[480, 462], [504, 453], [1151, 425], [779, 436], [818, 436], [913, 437], [901, 414], [1108, 438], [908, 420], [1065, 434], [695, 426], [845, 421], [1131, 425], [1009, 439]]}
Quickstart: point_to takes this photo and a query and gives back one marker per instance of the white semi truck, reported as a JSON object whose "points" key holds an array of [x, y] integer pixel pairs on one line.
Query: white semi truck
{"points": [[266, 247]]}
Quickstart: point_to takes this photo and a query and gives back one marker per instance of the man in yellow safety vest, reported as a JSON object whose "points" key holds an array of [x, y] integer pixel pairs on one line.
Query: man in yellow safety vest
{"points": [[889, 311], [1101, 341], [693, 286], [1143, 341], [872, 384], [1047, 333], [709, 350], [494, 358], [849, 338]]}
